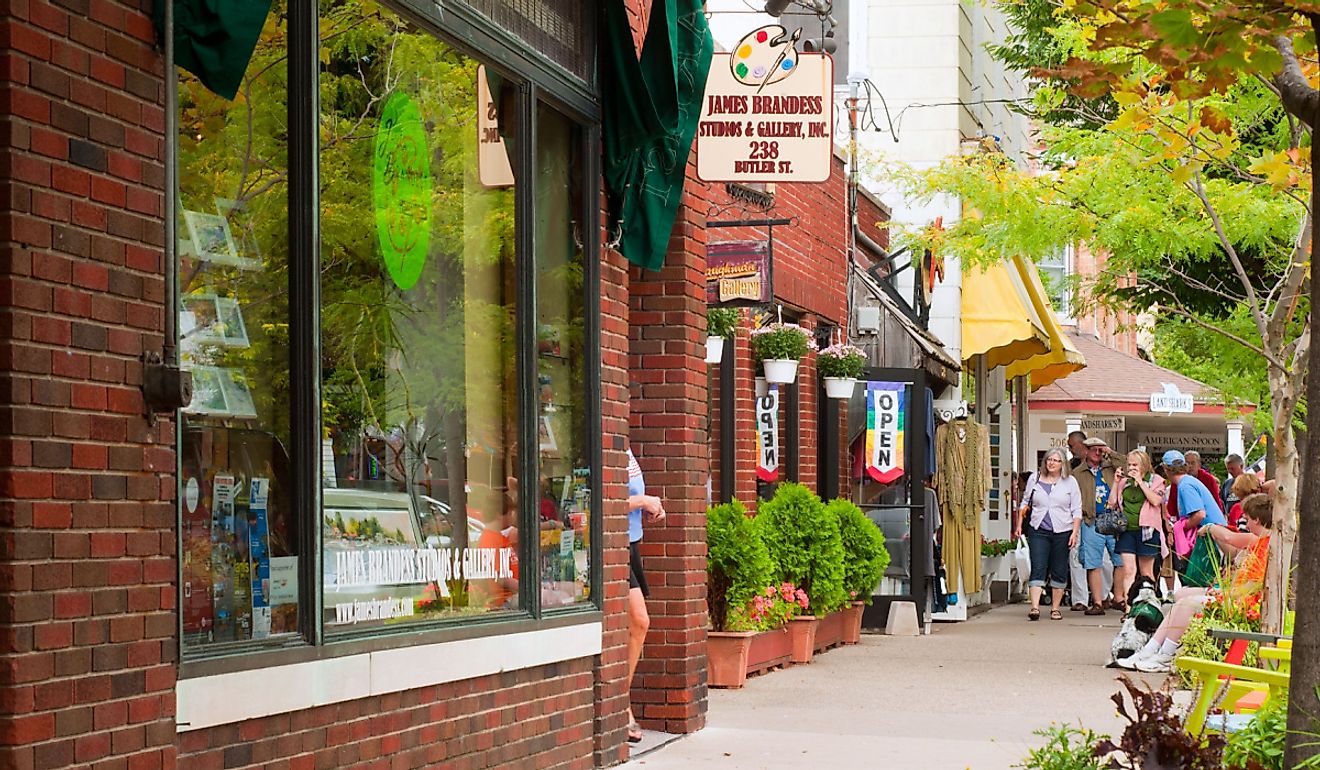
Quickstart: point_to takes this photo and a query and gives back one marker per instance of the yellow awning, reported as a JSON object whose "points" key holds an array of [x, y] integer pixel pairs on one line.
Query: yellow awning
{"points": [[1063, 358], [998, 321]]}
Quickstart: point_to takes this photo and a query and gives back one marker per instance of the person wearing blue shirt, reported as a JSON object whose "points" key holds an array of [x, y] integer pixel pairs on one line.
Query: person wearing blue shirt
{"points": [[1195, 501], [641, 506]]}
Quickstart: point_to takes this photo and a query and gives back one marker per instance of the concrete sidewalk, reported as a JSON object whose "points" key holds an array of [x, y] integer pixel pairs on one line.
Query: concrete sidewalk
{"points": [[967, 696]]}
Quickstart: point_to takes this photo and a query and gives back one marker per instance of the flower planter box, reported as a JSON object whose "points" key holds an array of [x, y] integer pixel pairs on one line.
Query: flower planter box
{"points": [[802, 631], [769, 649], [726, 657], [852, 622], [829, 633], [732, 656]]}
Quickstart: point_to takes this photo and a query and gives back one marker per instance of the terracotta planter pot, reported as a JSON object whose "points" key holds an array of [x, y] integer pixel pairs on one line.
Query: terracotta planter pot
{"points": [[852, 622], [769, 649], [726, 657], [802, 629], [830, 631]]}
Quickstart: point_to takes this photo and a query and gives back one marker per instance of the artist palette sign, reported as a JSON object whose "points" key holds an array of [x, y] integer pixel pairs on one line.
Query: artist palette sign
{"points": [[768, 112]]}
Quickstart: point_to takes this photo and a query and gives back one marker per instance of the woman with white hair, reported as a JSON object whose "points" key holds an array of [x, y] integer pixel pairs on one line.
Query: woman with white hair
{"points": [[1051, 514]]}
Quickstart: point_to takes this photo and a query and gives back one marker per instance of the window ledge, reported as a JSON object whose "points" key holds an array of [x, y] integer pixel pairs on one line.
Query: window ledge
{"points": [[207, 701]]}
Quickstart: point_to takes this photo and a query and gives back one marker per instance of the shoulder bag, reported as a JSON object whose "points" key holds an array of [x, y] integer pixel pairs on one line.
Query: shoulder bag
{"points": [[1111, 521]]}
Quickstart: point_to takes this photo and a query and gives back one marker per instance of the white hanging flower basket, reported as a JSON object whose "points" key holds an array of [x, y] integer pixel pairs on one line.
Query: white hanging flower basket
{"points": [[840, 387], [714, 350], [780, 370]]}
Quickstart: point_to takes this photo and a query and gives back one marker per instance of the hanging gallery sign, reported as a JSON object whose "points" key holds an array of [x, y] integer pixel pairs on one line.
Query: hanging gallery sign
{"points": [[738, 270], [493, 167], [767, 435], [768, 112], [885, 430]]}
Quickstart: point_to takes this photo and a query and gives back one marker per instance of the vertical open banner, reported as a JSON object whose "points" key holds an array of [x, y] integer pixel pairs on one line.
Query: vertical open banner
{"points": [[885, 425]]}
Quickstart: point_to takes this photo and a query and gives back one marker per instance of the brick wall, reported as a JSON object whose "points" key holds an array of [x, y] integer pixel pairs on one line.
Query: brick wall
{"points": [[611, 695], [810, 257], [533, 718], [87, 566], [810, 265], [668, 383], [88, 624]]}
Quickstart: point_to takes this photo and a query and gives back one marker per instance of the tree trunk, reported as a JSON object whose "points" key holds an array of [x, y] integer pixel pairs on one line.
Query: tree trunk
{"points": [[1283, 538], [1303, 698]]}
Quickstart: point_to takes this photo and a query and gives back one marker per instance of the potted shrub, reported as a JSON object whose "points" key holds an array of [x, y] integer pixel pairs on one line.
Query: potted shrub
{"points": [[779, 347], [721, 323], [806, 550], [864, 561], [738, 567], [840, 365]]}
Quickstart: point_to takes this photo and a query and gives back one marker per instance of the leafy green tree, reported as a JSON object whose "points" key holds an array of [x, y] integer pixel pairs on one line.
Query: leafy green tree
{"points": [[1180, 142]]}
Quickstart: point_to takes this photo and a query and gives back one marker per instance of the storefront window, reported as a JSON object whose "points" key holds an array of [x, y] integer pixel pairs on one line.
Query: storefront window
{"points": [[240, 538], [565, 473], [430, 487], [420, 508]]}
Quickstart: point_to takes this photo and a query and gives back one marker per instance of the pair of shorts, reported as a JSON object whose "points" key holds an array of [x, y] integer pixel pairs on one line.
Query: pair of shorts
{"points": [[1091, 552], [636, 576], [1131, 542]]}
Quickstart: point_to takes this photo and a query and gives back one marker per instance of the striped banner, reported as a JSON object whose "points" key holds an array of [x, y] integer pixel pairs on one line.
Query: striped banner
{"points": [[885, 430]]}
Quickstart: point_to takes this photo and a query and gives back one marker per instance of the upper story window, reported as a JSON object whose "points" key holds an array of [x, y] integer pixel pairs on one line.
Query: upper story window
{"points": [[1057, 271]]}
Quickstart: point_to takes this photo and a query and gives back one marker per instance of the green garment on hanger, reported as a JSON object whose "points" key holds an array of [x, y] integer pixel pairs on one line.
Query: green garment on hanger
{"points": [[651, 106], [214, 39]]}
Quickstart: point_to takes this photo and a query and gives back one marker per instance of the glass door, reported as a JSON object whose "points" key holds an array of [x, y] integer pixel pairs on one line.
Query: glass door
{"points": [[887, 430]]}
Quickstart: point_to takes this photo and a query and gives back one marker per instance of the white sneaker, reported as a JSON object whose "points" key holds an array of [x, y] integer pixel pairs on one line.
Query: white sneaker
{"points": [[1159, 663], [1131, 661]]}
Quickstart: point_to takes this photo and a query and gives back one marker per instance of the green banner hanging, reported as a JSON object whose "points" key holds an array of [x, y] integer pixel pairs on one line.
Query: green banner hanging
{"points": [[214, 39], [654, 103]]}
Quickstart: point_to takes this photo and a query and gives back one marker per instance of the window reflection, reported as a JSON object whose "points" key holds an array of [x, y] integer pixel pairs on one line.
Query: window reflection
{"points": [[240, 555], [564, 507], [420, 506]]}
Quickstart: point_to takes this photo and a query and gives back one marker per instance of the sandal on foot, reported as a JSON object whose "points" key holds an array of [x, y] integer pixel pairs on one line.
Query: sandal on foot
{"points": [[1034, 614], [1079, 607], [1056, 615], [634, 733], [1096, 609]]}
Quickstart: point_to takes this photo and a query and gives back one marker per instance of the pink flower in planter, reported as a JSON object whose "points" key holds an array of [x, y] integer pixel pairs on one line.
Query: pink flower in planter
{"points": [[769, 590], [802, 599]]}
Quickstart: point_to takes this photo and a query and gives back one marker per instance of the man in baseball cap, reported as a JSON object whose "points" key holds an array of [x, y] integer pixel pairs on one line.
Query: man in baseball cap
{"points": [[1095, 478], [1195, 502]]}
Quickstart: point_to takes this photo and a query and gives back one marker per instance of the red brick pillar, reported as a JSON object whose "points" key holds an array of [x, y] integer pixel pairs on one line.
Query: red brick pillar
{"points": [[87, 548], [611, 697], [668, 420]]}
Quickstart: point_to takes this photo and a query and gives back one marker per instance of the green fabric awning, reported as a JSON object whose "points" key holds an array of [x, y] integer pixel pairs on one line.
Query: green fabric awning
{"points": [[214, 39], [651, 106]]}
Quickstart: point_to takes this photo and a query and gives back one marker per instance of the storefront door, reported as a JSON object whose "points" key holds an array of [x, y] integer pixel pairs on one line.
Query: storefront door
{"points": [[888, 451]]}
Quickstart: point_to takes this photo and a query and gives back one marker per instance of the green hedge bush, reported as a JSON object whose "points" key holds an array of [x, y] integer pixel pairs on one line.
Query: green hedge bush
{"points": [[737, 563], [864, 554], [805, 545]]}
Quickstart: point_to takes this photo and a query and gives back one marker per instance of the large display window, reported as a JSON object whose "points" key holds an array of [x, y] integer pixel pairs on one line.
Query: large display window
{"points": [[456, 443]]}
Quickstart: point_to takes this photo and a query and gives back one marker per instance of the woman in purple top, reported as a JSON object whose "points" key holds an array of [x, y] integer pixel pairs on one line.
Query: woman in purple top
{"points": [[1052, 514]]}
